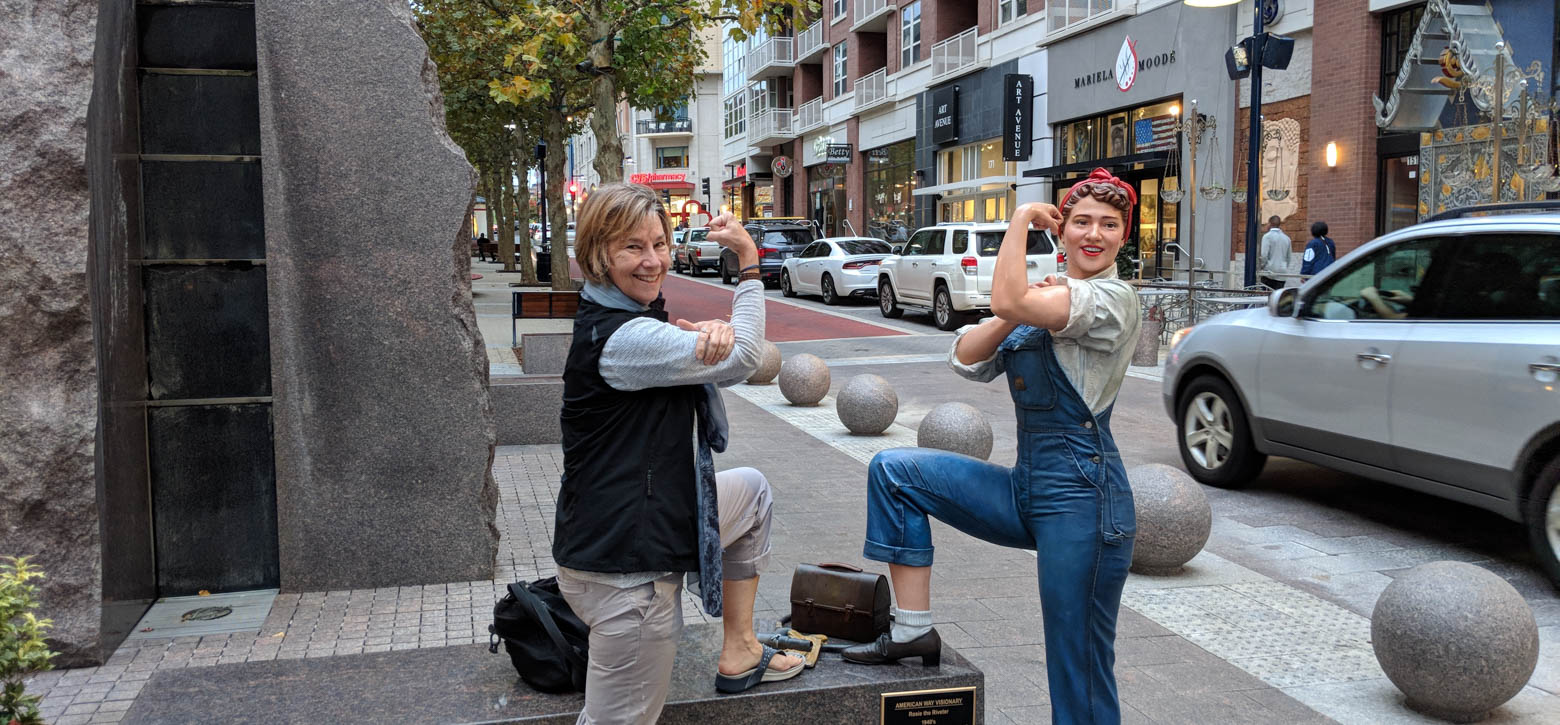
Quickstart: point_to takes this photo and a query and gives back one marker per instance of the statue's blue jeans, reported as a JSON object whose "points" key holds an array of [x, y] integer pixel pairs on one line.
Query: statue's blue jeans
{"points": [[1067, 499]]}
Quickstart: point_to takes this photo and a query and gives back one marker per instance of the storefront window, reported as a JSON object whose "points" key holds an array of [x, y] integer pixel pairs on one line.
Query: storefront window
{"points": [[826, 197], [974, 161], [733, 191], [763, 200], [890, 179], [1118, 133]]}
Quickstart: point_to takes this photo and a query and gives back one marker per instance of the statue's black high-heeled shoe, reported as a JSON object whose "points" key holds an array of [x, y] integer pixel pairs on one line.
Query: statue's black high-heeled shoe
{"points": [[884, 650]]}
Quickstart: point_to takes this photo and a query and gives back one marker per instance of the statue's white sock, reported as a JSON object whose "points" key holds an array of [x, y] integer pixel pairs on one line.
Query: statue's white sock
{"points": [[909, 624]]}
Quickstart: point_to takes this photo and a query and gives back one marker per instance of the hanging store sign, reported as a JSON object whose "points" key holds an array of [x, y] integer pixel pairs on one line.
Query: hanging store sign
{"points": [[781, 165], [838, 153], [1016, 107], [945, 115]]}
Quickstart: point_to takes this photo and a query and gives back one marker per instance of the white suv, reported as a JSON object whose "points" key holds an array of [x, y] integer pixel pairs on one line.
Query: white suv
{"points": [[1429, 358], [947, 269]]}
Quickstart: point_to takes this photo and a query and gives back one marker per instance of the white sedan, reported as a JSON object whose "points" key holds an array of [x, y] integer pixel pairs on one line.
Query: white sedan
{"points": [[835, 267]]}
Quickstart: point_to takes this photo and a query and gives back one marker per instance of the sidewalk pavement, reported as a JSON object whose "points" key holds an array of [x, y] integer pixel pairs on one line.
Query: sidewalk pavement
{"points": [[986, 600]]}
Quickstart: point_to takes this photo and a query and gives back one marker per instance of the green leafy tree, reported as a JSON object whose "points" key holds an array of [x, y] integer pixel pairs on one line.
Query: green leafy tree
{"points": [[22, 649], [643, 52]]}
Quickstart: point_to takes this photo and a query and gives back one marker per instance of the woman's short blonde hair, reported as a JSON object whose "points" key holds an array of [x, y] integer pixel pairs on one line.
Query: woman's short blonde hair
{"points": [[612, 212]]}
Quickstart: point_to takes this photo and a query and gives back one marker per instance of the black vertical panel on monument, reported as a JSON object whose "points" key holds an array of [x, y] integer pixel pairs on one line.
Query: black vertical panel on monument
{"points": [[215, 501], [199, 114], [205, 36], [202, 210], [206, 332]]}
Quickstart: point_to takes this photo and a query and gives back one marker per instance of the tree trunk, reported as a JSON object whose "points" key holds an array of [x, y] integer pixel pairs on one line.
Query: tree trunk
{"points": [[497, 214], [523, 215], [557, 208], [506, 242], [484, 190], [604, 94]]}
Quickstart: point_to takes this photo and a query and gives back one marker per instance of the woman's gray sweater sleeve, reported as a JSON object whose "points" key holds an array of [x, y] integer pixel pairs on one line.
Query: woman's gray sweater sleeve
{"points": [[646, 353]]}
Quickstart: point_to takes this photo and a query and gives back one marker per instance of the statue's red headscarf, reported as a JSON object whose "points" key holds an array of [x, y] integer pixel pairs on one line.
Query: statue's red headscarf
{"points": [[1101, 176]]}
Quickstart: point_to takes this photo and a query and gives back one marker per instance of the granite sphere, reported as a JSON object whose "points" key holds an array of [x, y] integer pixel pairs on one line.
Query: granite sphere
{"points": [[1458, 640], [768, 367], [957, 427], [804, 379], [1173, 518], [867, 405]]}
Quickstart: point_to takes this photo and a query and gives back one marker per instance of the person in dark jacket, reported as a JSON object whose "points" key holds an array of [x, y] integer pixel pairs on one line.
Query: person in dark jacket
{"points": [[1319, 252], [641, 505]]}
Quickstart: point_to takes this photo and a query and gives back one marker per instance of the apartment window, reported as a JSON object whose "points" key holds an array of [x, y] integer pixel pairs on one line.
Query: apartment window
{"points": [[731, 62], [1067, 13], [910, 34], [736, 115], [839, 9], [1010, 10], [671, 157], [841, 81]]}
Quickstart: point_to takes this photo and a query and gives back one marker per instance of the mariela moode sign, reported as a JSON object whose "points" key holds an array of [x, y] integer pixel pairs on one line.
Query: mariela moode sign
{"points": [[1128, 66]]}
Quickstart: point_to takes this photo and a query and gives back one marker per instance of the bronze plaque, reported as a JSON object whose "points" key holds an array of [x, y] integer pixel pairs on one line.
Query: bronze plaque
{"points": [[949, 706]]}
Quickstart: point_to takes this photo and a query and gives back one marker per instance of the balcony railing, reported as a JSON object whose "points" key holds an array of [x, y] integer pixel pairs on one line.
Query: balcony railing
{"points": [[955, 55], [809, 116], [872, 89], [770, 126], [775, 57], [809, 44], [871, 16], [651, 127]]}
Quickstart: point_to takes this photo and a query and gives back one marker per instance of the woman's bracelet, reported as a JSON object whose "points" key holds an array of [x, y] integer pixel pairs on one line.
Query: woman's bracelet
{"points": [[745, 276], [748, 268]]}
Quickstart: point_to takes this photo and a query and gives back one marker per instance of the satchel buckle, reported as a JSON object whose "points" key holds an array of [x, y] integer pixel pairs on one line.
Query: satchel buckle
{"points": [[492, 640]]}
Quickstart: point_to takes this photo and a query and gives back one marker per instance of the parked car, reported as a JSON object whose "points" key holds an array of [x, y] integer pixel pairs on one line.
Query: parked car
{"points": [[947, 269], [835, 267], [693, 253], [1427, 358], [777, 239]]}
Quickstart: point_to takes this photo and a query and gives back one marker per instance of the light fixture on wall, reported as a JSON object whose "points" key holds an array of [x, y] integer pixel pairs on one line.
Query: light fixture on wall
{"points": [[1332, 154]]}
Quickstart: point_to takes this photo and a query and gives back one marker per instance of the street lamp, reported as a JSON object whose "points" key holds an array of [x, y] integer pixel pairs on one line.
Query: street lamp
{"points": [[1256, 58]]}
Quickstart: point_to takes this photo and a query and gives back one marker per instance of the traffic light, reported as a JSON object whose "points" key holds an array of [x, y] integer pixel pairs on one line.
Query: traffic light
{"points": [[706, 186], [574, 188], [666, 197]]}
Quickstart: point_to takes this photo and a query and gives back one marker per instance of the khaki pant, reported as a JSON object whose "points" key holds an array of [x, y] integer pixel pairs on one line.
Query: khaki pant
{"points": [[634, 630]]}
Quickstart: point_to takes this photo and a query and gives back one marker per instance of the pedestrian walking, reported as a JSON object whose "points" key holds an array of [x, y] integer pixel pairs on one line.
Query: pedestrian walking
{"points": [[641, 506], [482, 248], [1065, 345], [1319, 252], [1275, 257]]}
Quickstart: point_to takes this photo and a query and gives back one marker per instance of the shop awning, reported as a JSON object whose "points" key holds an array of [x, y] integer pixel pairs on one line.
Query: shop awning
{"points": [[1149, 160], [972, 185]]}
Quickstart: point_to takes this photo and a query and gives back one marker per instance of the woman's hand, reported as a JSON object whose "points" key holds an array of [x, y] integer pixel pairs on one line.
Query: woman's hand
{"points": [[716, 339], [1039, 215]]}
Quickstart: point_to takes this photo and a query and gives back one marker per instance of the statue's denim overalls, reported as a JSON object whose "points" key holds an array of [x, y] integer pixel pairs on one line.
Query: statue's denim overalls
{"points": [[1067, 499]]}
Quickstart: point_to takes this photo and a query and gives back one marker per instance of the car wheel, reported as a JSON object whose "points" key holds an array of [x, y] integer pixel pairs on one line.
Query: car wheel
{"points": [[943, 313], [830, 297], [1215, 435], [785, 283], [886, 302], [725, 272], [677, 265], [1543, 520]]}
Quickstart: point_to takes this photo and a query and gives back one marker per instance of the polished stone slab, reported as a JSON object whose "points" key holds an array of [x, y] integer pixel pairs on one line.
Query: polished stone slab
{"points": [[466, 684]]}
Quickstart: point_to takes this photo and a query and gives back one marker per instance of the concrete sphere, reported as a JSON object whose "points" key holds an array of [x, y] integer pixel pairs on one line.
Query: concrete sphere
{"points": [[1456, 639], [1173, 518], [957, 427], [768, 368], [867, 405], [804, 379]]}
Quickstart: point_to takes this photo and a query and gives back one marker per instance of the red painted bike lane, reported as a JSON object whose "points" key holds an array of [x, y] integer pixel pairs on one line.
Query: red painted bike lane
{"points": [[783, 322]]}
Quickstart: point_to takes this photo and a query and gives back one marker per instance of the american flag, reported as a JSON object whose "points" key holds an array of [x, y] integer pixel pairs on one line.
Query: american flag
{"points": [[1156, 133]]}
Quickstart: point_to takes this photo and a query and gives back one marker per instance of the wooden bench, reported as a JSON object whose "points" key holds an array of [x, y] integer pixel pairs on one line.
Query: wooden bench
{"points": [[541, 304]]}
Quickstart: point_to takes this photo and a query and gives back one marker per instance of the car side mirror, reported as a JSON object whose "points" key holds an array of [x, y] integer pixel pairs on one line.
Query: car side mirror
{"points": [[1282, 302]]}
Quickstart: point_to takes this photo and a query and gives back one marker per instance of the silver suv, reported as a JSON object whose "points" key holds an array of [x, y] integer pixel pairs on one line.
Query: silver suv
{"points": [[947, 269], [1427, 358]]}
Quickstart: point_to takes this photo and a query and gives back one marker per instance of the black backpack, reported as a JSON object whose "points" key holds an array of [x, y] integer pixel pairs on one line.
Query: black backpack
{"points": [[546, 642]]}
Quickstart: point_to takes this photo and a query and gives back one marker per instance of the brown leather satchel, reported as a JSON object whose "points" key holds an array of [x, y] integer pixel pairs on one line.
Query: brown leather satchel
{"points": [[839, 600]]}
